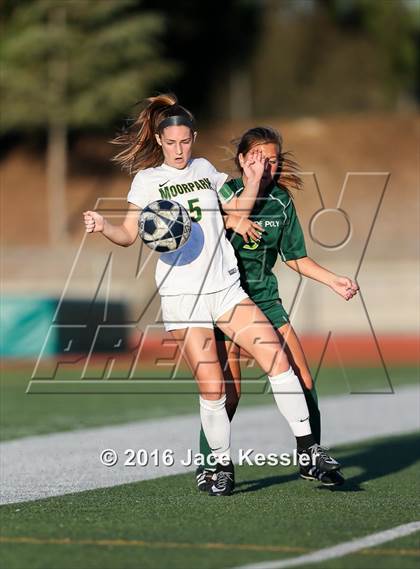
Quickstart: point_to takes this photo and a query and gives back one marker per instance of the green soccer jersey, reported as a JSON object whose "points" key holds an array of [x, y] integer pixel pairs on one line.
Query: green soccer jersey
{"points": [[283, 236]]}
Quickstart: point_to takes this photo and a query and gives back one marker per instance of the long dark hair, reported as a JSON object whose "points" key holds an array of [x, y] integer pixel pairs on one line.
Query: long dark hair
{"points": [[141, 148], [287, 175]]}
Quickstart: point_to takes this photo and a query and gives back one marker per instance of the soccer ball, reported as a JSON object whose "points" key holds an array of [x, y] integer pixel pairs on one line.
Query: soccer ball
{"points": [[164, 225]]}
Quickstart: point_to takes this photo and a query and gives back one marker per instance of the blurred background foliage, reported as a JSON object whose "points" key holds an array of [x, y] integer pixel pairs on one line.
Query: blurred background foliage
{"points": [[88, 62], [83, 61]]}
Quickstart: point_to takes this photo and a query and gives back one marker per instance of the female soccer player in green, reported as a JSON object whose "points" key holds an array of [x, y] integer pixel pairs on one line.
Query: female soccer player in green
{"points": [[280, 234]]}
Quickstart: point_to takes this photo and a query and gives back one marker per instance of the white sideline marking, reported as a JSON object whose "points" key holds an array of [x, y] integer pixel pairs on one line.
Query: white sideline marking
{"points": [[339, 550], [62, 463]]}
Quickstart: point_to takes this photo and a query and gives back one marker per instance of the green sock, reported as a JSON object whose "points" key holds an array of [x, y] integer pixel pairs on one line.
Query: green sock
{"points": [[314, 414], [205, 450]]}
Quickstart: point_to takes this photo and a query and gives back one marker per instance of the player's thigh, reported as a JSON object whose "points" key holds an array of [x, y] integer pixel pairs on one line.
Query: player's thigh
{"points": [[250, 329], [296, 355], [198, 347]]}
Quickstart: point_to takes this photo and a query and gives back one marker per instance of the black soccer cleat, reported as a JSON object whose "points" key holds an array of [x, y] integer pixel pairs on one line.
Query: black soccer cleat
{"points": [[317, 456], [332, 478], [222, 482], [203, 478]]}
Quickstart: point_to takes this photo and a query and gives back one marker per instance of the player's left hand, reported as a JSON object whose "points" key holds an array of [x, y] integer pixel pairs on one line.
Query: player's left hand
{"points": [[245, 227], [344, 286], [254, 165]]}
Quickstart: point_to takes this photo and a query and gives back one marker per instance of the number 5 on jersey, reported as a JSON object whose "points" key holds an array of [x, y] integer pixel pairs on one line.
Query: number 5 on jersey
{"points": [[195, 209]]}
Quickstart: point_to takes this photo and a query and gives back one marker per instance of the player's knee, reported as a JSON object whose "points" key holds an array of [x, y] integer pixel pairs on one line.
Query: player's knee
{"points": [[280, 365], [271, 359], [211, 394]]}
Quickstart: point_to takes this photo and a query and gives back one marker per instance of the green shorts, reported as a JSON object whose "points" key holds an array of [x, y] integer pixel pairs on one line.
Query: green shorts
{"points": [[274, 311]]}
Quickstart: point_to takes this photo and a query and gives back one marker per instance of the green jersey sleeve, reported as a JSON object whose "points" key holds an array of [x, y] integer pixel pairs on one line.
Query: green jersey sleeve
{"points": [[292, 241], [226, 192]]}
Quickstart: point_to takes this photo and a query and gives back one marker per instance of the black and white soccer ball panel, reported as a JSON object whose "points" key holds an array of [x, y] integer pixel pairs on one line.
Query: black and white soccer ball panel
{"points": [[164, 225], [158, 226]]}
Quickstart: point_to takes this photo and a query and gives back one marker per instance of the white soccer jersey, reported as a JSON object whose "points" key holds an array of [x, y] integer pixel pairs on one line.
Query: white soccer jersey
{"points": [[197, 188]]}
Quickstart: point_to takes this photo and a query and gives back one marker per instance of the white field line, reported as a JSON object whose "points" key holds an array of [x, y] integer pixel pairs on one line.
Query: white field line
{"points": [[339, 550], [62, 463]]}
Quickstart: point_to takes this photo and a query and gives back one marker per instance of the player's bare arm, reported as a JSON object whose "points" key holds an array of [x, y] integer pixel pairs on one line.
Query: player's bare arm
{"points": [[123, 235], [254, 166], [306, 266]]}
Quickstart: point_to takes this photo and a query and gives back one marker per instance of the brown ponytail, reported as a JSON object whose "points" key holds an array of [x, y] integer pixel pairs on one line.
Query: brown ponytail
{"points": [[141, 148], [287, 175]]}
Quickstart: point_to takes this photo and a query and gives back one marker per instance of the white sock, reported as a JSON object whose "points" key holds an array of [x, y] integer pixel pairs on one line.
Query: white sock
{"points": [[291, 401], [216, 426]]}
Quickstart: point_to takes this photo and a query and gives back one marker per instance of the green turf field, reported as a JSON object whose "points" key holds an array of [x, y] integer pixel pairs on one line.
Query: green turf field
{"points": [[272, 515], [24, 414]]}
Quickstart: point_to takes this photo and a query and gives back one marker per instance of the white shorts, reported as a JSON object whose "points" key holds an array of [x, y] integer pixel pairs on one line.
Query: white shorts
{"points": [[199, 310]]}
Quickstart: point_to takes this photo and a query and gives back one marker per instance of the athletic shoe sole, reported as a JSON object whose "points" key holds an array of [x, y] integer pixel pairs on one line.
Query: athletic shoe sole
{"points": [[325, 482]]}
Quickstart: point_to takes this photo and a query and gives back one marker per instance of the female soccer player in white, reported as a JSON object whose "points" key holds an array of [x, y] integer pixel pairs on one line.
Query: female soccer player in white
{"points": [[282, 237], [206, 291]]}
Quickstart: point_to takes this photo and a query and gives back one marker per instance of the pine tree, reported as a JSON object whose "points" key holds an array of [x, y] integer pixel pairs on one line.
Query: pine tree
{"points": [[75, 64]]}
